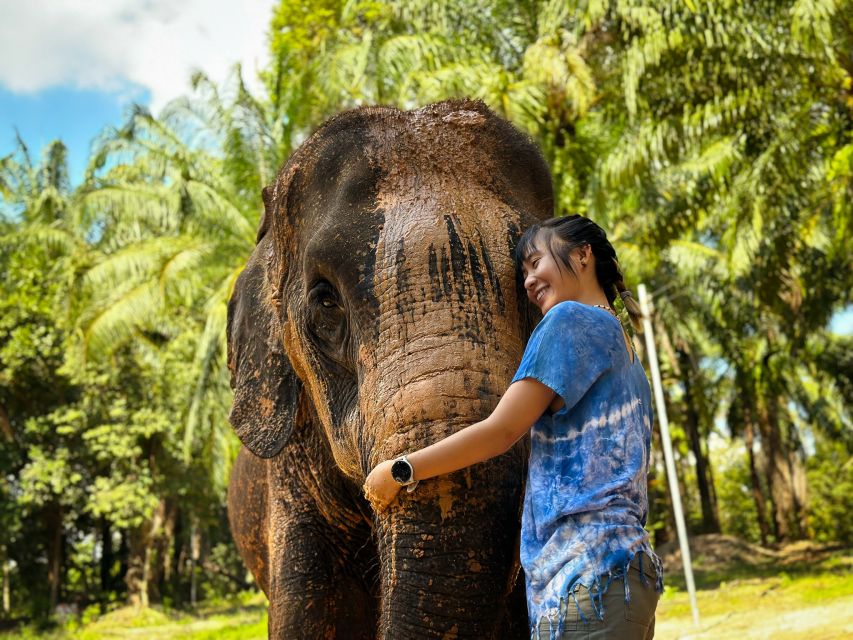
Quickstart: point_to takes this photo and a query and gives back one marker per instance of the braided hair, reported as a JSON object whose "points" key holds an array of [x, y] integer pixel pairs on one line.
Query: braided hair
{"points": [[564, 235]]}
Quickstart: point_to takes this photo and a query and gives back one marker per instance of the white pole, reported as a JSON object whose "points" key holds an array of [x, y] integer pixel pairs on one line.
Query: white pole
{"points": [[645, 307], [7, 588]]}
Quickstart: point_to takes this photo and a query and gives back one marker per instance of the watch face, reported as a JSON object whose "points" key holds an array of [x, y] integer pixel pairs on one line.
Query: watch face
{"points": [[401, 471]]}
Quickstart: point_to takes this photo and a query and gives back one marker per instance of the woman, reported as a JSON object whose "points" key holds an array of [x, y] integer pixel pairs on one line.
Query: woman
{"points": [[583, 392]]}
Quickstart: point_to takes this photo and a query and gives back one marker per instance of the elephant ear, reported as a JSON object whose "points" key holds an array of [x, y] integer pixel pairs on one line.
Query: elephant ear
{"points": [[266, 389], [268, 196]]}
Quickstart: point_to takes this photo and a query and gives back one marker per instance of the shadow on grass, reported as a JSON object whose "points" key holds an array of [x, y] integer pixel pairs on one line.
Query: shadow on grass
{"points": [[719, 560]]}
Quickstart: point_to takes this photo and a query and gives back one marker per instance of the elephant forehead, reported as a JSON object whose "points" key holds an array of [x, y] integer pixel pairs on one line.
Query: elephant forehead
{"points": [[444, 272], [449, 334], [460, 238]]}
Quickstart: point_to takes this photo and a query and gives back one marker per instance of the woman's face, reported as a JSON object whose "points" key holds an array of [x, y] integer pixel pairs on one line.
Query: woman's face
{"points": [[546, 281]]}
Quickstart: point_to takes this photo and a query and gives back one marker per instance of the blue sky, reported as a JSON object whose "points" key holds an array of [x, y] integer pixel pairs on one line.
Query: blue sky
{"points": [[75, 116], [69, 68], [842, 322]]}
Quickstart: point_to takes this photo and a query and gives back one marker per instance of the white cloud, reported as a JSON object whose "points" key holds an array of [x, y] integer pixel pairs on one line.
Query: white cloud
{"points": [[116, 45]]}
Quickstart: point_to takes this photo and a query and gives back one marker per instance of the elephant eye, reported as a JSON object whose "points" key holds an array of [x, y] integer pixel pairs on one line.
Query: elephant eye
{"points": [[327, 320], [324, 294]]}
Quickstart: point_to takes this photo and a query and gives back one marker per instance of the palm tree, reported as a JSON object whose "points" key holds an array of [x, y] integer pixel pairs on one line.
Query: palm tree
{"points": [[41, 248], [177, 198]]}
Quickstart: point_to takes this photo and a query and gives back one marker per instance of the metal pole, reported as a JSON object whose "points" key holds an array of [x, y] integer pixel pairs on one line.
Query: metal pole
{"points": [[7, 588], [645, 307]]}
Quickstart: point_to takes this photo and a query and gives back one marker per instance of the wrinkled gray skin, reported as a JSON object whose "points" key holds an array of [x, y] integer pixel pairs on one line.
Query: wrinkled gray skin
{"points": [[380, 312]]}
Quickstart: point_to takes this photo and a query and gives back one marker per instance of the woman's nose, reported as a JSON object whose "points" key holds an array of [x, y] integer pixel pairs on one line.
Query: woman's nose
{"points": [[529, 282]]}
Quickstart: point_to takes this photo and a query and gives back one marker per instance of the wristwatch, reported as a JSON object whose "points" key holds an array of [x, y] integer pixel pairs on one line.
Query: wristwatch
{"points": [[403, 473]]}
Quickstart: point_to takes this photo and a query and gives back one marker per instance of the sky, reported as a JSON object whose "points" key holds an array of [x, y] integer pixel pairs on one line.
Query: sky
{"points": [[69, 68], [842, 322]]}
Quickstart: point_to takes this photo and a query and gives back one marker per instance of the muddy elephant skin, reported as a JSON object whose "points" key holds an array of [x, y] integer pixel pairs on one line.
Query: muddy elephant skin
{"points": [[380, 312]]}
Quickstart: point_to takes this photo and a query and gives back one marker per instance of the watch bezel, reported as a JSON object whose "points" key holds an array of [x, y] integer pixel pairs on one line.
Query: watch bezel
{"points": [[404, 466]]}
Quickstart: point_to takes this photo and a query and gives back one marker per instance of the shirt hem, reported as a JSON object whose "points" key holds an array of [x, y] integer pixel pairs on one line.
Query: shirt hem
{"points": [[597, 588]]}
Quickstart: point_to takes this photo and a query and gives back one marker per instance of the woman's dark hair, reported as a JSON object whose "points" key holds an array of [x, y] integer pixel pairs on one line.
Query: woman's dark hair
{"points": [[564, 235]]}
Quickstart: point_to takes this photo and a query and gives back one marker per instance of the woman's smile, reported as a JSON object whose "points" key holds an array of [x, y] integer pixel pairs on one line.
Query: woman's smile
{"points": [[545, 282]]}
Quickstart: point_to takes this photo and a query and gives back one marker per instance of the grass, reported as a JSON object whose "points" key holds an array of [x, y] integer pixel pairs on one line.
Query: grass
{"points": [[243, 617], [802, 595], [785, 600]]}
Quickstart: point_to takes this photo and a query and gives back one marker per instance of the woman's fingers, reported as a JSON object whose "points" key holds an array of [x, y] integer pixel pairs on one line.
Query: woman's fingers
{"points": [[375, 501], [378, 502], [380, 488]]}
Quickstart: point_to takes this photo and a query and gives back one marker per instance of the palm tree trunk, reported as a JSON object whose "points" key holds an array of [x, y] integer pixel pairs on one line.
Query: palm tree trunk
{"points": [[755, 480], [164, 543], [195, 553], [799, 486], [770, 445], [124, 560], [788, 510], [179, 558], [710, 518], [54, 564], [107, 557], [143, 570], [136, 576], [5, 424]]}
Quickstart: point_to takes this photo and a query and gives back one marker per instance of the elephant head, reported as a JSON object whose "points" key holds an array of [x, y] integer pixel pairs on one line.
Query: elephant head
{"points": [[381, 311]]}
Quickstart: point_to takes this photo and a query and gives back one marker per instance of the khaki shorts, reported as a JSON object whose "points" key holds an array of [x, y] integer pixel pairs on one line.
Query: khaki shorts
{"points": [[632, 621]]}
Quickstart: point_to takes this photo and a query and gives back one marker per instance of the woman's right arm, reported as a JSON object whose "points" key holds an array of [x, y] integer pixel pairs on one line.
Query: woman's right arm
{"points": [[521, 405], [517, 410]]}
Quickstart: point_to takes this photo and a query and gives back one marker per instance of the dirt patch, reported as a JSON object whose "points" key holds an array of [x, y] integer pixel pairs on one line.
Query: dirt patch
{"points": [[716, 553]]}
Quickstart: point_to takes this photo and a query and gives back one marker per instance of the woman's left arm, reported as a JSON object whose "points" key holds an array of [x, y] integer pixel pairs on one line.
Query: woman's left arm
{"points": [[521, 405]]}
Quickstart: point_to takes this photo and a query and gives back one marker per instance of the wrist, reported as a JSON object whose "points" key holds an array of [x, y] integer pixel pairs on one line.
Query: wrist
{"points": [[403, 473]]}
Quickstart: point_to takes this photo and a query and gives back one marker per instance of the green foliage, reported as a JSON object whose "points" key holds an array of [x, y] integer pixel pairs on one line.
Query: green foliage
{"points": [[830, 476], [93, 447], [734, 492], [224, 564]]}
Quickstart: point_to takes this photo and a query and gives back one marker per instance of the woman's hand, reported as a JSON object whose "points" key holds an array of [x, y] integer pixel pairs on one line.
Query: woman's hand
{"points": [[380, 488]]}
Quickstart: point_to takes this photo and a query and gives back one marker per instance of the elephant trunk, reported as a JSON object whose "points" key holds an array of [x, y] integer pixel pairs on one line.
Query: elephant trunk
{"points": [[448, 555]]}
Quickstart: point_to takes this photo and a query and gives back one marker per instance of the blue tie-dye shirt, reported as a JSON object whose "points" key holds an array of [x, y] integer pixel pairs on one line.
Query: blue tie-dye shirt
{"points": [[585, 504]]}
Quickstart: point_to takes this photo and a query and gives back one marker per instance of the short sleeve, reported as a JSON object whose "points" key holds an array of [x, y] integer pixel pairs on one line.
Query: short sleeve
{"points": [[571, 347]]}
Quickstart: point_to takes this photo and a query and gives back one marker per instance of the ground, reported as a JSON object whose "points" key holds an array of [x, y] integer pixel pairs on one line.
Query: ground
{"points": [[802, 591], [744, 592]]}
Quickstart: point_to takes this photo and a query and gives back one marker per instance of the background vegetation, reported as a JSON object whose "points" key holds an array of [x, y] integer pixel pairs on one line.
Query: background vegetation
{"points": [[713, 139]]}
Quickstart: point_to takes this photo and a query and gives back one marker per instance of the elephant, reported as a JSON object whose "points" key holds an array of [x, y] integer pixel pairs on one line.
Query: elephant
{"points": [[380, 311]]}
